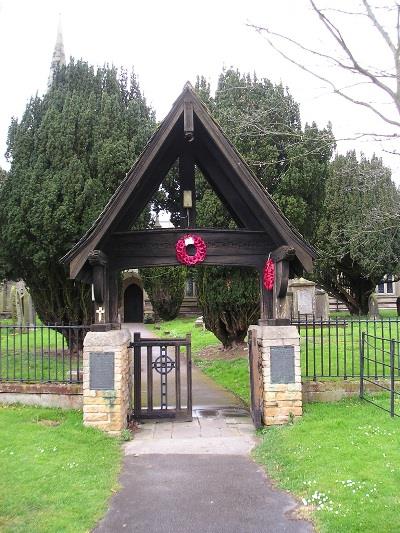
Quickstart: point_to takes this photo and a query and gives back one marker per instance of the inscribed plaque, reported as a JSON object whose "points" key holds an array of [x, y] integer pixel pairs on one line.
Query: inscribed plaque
{"points": [[282, 364], [101, 370], [305, 303]]}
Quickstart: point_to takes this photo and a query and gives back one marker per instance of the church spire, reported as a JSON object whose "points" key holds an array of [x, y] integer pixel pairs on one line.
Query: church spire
{"points": [[58, 59]]}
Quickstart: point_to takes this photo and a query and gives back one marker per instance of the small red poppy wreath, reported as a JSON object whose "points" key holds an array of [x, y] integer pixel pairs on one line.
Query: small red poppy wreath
{"points": [[200, 248], [269, 274]]}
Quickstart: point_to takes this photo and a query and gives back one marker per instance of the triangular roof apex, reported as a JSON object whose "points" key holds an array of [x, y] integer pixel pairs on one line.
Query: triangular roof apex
{"points": [[188, 86]]}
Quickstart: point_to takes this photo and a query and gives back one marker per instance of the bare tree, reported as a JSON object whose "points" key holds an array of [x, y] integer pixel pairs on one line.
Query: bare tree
{"points": [[383, 23]]}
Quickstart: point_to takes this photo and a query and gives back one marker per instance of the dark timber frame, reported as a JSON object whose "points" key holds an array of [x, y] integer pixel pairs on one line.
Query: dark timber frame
{"points": [[190, 134]]}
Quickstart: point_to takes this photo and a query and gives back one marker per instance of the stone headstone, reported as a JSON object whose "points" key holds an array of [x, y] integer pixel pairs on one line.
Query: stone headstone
{"points": [[199, 322], [305, 302], [321, 304], [373, 308], [21, 305], [303, 292], [2, 298]]}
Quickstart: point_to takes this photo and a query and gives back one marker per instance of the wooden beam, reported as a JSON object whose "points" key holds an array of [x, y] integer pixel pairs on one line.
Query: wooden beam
{"points": [[157, 247], [188, 122]]}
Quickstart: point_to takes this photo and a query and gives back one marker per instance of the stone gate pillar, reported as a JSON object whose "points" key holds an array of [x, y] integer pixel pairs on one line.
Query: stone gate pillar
{"points": [[107, 380], [281, 371]]}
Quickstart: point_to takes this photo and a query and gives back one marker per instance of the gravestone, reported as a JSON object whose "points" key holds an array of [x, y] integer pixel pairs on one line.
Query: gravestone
{"points": [[21, 305], [373, 308], [303, 297], [321, 304], [199, 322], [2, 298]]}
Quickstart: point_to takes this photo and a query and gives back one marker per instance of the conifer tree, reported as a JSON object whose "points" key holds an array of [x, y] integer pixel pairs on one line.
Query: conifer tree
{"points": [[165, 287], [358, 235], [69, 152]]}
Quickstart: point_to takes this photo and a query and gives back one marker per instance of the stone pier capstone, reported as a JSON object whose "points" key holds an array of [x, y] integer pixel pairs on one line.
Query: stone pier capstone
{"points": [[107, 379], [282, 388]]}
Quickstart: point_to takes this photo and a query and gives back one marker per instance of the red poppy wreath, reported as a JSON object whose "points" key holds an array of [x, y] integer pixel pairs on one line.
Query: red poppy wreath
{"points": [[200, 250], [269, 274]]}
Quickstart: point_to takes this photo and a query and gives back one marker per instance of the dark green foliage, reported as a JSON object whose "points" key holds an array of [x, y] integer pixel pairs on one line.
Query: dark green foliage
{"points": [[3, 177], [229, 299], [263, 122], [358, 236], [166, 288], [68, 153]]}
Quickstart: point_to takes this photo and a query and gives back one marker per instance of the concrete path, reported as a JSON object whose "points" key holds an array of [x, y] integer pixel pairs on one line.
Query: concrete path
{"points": [[197, 477], [198, 494]]}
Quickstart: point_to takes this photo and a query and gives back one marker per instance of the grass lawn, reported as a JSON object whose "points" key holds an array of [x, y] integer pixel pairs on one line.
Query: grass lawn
{"points": [[180, 327], [56, 475], [343, 460], [232, 375]]}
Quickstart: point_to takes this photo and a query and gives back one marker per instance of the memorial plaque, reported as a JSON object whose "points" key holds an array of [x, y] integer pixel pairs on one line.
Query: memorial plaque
{"points": [[101, 370], [282, 364], [305, 303]]}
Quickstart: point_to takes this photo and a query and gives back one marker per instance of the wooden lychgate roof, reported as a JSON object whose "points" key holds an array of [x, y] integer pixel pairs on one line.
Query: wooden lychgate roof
{"points": [[190, 123]]}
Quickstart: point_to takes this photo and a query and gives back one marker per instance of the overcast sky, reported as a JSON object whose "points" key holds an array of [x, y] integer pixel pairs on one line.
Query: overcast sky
{"points": [[169, 42]]}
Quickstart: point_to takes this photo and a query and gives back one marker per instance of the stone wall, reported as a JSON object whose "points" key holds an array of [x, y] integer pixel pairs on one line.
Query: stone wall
{"points": [[108, 409], [66, 396], [333, 391]]}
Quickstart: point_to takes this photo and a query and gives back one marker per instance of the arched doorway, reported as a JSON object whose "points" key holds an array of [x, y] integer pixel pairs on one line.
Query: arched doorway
{"points": [[133, 304]]}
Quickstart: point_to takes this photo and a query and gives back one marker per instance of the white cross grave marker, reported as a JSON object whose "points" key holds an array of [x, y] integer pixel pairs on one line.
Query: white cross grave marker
{"points": [[100, 312]]}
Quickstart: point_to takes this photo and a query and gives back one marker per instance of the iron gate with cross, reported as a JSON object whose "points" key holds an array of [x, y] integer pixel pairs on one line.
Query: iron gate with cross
{"points": [[162, 378]]}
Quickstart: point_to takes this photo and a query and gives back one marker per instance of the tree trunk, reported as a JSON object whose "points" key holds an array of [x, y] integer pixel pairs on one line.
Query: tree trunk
{"points": [[59, 301], [355, 296]]}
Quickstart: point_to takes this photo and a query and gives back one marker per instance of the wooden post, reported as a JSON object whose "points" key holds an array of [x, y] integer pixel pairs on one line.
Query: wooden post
{"points": [[98, 261], [187, 183], [113, 295], [267, 297]]}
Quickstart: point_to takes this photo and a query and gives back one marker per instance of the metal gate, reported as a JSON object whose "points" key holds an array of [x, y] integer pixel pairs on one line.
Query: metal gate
{"points": [[256, 382], [162, 378]]}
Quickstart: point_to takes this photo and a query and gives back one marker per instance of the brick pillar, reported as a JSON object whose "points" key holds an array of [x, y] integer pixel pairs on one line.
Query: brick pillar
{"points": [[107, 377], [280, 350]]}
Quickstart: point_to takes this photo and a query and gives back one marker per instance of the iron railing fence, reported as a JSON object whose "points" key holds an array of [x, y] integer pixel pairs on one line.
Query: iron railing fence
{"points": [[381, 355], [41, 354], [331, 348]]}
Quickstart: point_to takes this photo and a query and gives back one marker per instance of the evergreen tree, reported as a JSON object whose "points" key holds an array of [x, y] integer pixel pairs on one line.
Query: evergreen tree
{"points": [[68, 154], [263, 122], [166, 289], [3, 176], [358, 236]]}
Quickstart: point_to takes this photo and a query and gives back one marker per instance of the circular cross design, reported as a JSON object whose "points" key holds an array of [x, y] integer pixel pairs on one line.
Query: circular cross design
{"points": [[200, 248], [163, 364]]}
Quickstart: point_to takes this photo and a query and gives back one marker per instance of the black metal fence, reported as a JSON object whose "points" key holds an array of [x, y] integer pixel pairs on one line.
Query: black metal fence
{"points": [[41, 354], [331, 348], [379, 356]]}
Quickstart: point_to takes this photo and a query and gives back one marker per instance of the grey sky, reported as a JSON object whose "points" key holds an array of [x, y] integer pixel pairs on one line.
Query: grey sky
{"points": [[169, 42]]}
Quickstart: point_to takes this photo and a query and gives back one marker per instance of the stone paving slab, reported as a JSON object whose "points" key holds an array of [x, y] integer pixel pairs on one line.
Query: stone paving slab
{"points": [[217, 434], [198, 494], [239, 445]]}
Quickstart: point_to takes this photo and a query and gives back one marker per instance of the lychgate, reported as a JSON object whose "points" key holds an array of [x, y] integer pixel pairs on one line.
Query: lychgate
{"points": [[190, 135]]}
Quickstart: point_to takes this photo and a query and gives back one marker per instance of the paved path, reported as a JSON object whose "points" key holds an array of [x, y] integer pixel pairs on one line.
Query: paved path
{"points": [[197, 477]]}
